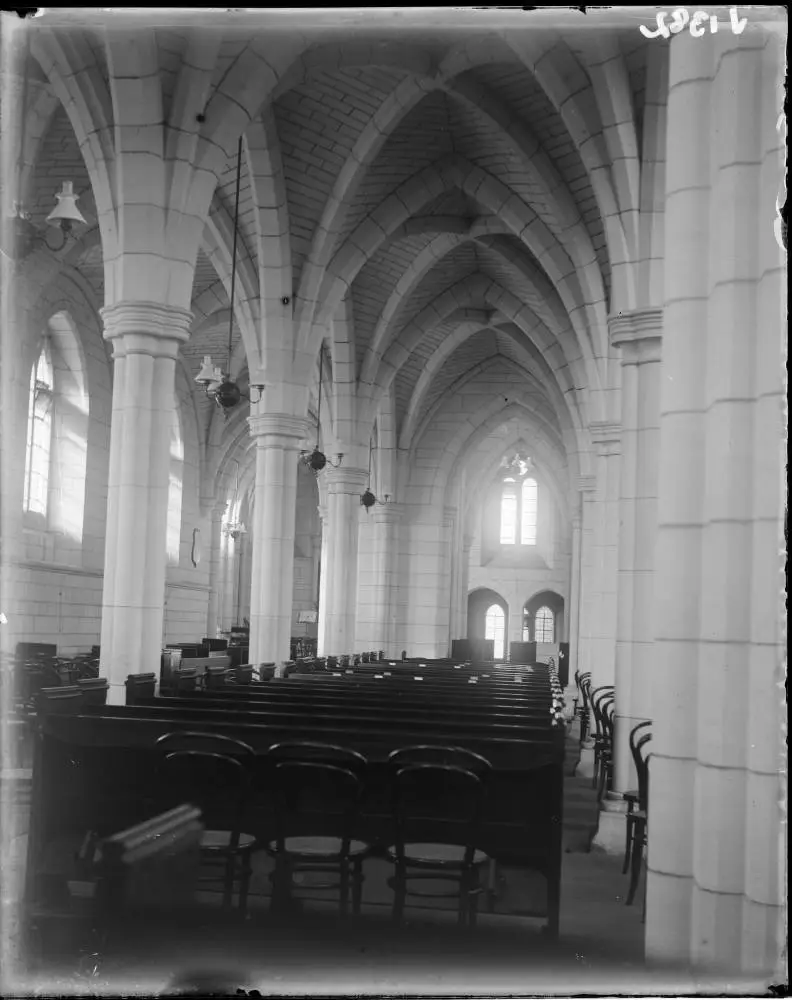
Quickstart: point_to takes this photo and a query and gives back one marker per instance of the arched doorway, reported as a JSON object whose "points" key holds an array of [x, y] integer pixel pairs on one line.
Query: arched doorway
{"points": [[543, 620], [488, 620]]}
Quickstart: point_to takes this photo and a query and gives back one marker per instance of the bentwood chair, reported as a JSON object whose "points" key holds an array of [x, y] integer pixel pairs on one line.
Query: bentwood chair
{"points": [[585, 707], [638, 819], [316, 790], [438, 798], [631, 797], [213, 773], [598, 700]]}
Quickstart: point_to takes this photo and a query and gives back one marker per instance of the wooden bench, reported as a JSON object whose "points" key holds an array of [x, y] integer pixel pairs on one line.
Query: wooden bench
{"points": [[97, 769]]}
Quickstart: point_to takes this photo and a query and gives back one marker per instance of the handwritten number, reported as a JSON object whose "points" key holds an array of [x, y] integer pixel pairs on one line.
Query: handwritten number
{"points": [[738, 24], [698, 19], [662, 30]]}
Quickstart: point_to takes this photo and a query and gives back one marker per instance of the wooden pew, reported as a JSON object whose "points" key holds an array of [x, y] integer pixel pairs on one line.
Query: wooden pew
{"points": [[96, 770]]}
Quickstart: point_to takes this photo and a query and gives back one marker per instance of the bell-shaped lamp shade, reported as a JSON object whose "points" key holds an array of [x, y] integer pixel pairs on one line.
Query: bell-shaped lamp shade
{"points": [[207, 374], [66, 213]]}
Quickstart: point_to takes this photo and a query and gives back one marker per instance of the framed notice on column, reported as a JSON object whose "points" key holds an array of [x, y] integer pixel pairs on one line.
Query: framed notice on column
{"points": [[307, 617]]}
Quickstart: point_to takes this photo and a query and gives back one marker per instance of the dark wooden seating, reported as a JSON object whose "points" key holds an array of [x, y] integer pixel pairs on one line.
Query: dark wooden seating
{"points": [[638, 814], [438, 798], [317, 790], [94, 690], [214, 773], [95, 769], [140, 686]]}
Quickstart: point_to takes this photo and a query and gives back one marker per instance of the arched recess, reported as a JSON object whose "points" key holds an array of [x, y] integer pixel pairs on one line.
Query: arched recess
{"points": [[544, 600], [479, 603]]}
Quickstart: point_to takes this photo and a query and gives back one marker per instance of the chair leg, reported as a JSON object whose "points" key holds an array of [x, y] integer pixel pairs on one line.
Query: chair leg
{"points": [[228, 882], [637, 858], [628, 835], [357, 885], [399, 893], [343, 891], [244, 883]]}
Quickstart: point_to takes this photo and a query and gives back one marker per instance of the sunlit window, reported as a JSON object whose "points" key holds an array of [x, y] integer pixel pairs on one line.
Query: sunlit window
{"points": [[495, 628], [529, 507], [518, 520], [544, 626], [508, 531], [39, 435], [175, 491]]}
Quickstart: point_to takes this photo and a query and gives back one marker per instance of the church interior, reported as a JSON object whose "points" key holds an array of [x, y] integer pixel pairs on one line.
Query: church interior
{"points": [[359, 366]]}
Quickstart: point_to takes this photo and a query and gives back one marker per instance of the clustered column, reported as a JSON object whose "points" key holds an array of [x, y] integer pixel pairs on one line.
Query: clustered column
{"points": [[638, 335], [602, 636], [338, 602], [278, 437], [386, 521], [145, 338], [715, 880], [214, 604]]}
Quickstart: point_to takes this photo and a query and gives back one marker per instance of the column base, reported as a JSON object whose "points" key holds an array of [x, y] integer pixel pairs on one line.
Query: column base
{"points": [[585, 768], [611, 828], [116, 694]]}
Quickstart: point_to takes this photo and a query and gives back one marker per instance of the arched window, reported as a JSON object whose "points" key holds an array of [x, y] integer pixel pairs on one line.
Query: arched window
{"points": [[175, 490], [39, 434], [544, 626], [495, 628], [519, 508], [528, 512]]}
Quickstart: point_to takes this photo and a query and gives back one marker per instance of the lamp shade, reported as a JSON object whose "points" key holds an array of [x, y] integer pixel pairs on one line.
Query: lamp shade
{"points": [[66, 212], [208, 372]]}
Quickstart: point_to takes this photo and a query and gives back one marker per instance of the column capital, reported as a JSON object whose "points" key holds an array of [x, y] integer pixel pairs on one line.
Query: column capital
{"points": [[387, 513], [587, 484], [145, 328], [639, 335], [345, 479], [282, 429]]}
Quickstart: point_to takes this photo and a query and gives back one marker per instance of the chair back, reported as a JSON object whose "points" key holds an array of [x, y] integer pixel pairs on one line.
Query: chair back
{"points": [[641, 758], [316, 789], [438, 794], [211, 772], [598, 698]]}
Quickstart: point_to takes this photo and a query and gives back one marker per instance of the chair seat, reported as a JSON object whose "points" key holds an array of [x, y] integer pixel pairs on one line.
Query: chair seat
{"points": [[220, 840], [637, 814], [320, 847], [631, 796], [440, 853]]}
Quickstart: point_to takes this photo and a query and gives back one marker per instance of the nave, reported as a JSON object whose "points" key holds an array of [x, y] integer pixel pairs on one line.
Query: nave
{"points": [[428, 346]]}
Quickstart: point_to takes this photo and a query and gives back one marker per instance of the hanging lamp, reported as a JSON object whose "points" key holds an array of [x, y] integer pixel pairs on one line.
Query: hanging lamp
{"points": [[368, 499], [216, 383], [20, 234], [316, 460]]}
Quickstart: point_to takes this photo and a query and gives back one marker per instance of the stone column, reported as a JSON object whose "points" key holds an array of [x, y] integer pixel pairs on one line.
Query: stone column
{"points": [[145, 338], [214, 603], [573, 608], [715, 884], [587, 485], [278, 437], [638, 335], [321, 626], [464, 584], [339, 569], [606, 437], [386, 519]]}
